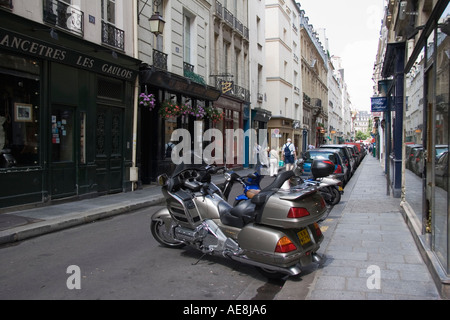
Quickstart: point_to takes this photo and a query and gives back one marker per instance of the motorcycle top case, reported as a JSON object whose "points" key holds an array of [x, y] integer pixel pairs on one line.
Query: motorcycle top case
{"points": [[321, 169]]}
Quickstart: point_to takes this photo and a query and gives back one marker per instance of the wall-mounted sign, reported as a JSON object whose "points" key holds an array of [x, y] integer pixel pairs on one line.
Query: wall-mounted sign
{"points": [[379, 104], [39, 49], [226, 85]]}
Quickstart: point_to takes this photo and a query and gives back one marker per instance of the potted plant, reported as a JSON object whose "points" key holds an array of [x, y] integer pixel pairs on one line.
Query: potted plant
{"points": [[147, 100]]}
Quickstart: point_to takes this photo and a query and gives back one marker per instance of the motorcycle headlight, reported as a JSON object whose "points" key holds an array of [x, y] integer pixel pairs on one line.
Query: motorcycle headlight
{"points": [[227, 176], [163, 180]]}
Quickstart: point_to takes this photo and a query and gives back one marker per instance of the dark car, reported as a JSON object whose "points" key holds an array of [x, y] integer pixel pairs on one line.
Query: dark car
{"points": [[355, 154], [325, 154], [345, 154], [441, 175], [440, 149], [412, 151], [360, 147]]}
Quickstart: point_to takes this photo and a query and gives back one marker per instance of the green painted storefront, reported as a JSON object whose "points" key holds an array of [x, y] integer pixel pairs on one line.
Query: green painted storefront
{"points": [[66, 112]]}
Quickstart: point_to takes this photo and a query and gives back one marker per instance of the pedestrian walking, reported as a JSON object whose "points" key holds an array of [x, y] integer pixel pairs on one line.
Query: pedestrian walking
{"points": [[273, 162], [289, 154]]}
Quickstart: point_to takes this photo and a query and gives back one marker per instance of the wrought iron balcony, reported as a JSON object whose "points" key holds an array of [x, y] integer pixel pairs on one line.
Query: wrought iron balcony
{"points": [[190, 74], [159, 60], [64, 16], [229, 88], [113, 36]]}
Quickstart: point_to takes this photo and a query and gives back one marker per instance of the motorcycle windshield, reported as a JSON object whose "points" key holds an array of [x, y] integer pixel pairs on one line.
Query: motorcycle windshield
{"points": [[195, 162]]}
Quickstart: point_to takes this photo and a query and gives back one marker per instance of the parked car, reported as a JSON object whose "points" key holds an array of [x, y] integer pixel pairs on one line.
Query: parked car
{"points": [[345, 154], [355, 154], [325, 154], [441, 171], [418, 162], [440, 149], [360, 147], [411, 152]]}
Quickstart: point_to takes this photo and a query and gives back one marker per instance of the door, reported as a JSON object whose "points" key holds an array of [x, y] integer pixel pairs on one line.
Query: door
{"points": [[109, 149], [63, 165]]}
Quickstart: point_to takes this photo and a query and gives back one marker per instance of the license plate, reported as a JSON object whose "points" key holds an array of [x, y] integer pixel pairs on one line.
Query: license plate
{"points": [[341, 189], [303, 236]]}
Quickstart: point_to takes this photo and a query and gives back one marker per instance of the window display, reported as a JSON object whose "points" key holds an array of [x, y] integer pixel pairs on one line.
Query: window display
{"points": [[19, 111]]}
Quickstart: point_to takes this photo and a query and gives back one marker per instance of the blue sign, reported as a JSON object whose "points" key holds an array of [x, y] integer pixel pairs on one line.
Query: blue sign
{"points": [[379, 104]]}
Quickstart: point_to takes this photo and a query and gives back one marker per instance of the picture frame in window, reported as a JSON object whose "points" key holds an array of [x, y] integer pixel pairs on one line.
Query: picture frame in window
{"points": [[23, 112]]}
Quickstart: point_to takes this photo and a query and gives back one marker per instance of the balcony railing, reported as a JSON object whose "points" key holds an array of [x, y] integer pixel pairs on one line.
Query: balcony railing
{"points": [[64, 16], [159, 60], [113, 36], [229, 88], [230, 19]]}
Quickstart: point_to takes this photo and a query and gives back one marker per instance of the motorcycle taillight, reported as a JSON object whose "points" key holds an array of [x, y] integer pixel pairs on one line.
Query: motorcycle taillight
{"points": [[298, 213], [285, 245], [318, 231]]}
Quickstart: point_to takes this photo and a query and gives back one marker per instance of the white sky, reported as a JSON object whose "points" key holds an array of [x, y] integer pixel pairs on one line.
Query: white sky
{"points": [[353, 30]]}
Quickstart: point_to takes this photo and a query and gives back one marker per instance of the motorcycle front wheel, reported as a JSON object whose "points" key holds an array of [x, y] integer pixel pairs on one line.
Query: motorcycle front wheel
{"points": [[161, 235]]}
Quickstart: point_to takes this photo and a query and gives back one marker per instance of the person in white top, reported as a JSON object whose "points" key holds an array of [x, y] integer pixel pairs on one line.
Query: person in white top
{"points": [[273, 162]]}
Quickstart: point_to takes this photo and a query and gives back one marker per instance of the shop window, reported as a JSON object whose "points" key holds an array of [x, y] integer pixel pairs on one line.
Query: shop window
{"points": [[441, 174], [62, 134], [414, 134], [19, 112]]}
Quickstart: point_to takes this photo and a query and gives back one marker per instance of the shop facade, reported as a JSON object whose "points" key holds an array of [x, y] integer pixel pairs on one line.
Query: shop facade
{"points": [[155, 128], [66, 115], [416, 130]]}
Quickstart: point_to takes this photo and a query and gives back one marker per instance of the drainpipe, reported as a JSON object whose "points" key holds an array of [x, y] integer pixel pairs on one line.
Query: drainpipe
{"points": [[134, 169]]}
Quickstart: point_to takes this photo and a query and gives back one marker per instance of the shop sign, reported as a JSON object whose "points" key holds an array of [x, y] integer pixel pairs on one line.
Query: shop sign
{"points": [[42, 50], [379, 104], [226, 86]]}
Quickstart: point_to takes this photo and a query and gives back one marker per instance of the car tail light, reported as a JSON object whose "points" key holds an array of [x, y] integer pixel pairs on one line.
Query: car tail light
{"points": [[298, 213], [285, 245], [338, 169]]}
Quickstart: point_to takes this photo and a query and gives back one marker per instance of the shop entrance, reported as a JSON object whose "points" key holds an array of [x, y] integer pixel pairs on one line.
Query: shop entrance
{"points": [[63, 171], [109, 149]]}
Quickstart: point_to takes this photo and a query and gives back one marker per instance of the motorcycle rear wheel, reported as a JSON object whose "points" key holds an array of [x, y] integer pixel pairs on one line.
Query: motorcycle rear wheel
{"points": [[160, 234], [270, 274], [336, 196]]}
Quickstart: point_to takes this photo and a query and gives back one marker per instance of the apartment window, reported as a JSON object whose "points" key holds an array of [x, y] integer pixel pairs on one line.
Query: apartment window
{"points": [[187, 39], [109, 11], [226, 50]]}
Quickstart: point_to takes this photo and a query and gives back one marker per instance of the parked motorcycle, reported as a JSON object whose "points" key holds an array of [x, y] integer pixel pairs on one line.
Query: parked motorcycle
{"points": [[275, 231], [330, 186]]}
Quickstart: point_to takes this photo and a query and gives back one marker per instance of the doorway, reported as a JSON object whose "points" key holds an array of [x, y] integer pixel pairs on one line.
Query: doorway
{"points": [[109, 149]]}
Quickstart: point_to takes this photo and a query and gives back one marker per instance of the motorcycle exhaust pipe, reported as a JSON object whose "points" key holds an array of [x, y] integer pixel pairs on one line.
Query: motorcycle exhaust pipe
{"points": [[317, 258], [291, 271]]}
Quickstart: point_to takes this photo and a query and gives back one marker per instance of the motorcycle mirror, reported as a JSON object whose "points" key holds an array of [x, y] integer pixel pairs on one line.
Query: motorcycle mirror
{"points": [[163, 180]]}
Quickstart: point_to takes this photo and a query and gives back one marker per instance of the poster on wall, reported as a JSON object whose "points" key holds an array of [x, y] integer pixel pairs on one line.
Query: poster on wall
{"points": [[23, 112]]}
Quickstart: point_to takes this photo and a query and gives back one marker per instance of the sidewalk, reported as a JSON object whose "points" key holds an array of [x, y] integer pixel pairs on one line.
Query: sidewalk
{"points": [[366, 235]]}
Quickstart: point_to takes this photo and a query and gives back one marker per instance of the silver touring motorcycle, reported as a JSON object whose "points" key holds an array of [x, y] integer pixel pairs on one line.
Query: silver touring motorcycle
{"points": [[275, 231]]}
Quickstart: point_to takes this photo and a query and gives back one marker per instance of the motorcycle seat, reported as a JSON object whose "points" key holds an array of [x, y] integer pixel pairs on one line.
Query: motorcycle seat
{"points": [[238, 216], [261, 197]]}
